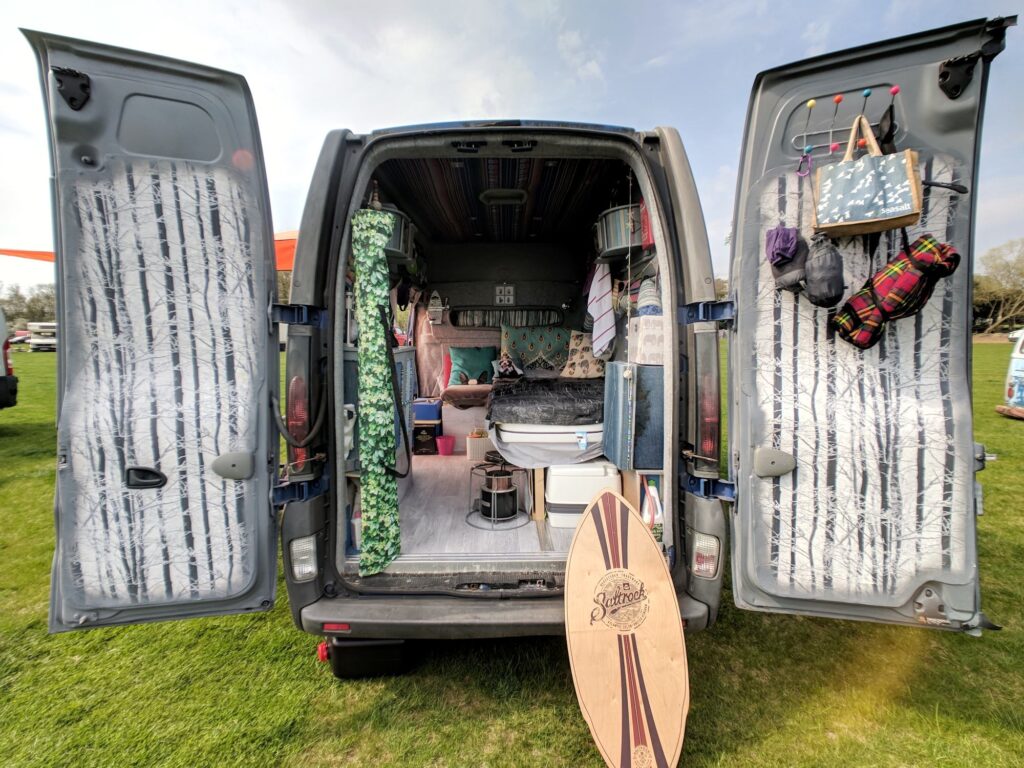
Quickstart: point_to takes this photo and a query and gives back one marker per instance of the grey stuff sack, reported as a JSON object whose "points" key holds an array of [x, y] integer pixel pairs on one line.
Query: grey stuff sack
{"points": [[824, 272], [789, 275]]}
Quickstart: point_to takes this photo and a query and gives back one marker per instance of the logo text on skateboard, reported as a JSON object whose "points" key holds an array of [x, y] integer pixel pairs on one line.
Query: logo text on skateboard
{"points": [[620, 601]]}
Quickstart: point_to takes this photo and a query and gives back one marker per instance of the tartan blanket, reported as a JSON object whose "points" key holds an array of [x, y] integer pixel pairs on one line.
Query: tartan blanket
{"points": [[899, 289]]}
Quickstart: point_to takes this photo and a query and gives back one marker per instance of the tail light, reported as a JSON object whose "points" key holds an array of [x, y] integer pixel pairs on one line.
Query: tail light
{"points": [[298, 421], [8, 368], [302, 552], [705, 555], [709, 395]]}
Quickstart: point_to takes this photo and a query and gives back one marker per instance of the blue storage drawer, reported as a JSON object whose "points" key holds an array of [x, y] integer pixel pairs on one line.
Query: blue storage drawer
{"points": [[634, 409]]}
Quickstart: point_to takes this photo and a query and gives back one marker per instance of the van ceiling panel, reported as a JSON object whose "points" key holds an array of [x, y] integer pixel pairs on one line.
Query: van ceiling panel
{"points": [[442, 196]]}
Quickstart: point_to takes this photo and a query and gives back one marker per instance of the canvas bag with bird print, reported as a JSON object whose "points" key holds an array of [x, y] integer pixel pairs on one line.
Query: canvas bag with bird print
{"points": [[873, 193]]}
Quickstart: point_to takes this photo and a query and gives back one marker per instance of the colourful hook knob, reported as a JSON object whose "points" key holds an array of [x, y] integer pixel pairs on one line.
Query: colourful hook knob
{"points": [[811, 103], [833, 147], [866, 92], [861, 143], [808, 149], [894, 90], [838, 98]]}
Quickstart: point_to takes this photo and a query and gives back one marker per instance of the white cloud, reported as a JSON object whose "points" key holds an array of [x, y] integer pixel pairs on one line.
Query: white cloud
{"points": [[575, 53], [657, 62], [815, 34]]}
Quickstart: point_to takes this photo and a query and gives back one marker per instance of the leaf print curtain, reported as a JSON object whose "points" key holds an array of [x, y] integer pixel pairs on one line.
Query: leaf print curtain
{"points": [[381, 540]]}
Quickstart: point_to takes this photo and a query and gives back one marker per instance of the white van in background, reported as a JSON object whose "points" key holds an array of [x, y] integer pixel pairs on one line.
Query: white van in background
{"points": [[43, 337]]}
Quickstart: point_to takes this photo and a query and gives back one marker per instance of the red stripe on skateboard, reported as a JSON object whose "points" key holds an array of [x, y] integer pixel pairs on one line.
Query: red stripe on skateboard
{"points": [[659, 753], [624, 527], [625, 753], [636, 715], [612, 528]]}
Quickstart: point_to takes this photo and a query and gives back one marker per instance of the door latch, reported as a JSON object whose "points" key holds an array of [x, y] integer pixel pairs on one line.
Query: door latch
{"points": [[74, 86]]}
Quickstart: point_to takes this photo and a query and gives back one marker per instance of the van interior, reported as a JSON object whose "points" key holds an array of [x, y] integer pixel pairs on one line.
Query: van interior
{"points": [[531, 350]]}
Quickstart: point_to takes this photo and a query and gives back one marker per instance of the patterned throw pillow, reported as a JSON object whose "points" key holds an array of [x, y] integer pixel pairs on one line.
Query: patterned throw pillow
{"points": [[582, 363], [536, 346]]}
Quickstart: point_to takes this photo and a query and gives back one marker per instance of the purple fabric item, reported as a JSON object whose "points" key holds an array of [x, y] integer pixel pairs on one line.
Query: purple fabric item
{"points": [[780, 244]]}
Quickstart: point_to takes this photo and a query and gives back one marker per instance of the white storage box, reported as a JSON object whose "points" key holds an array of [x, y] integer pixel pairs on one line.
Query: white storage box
{"points": [[478, 447], [569, 488]]}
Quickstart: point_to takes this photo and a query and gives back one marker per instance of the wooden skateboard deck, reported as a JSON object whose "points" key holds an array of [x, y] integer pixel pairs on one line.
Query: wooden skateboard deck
{"points": [[625, 638]]}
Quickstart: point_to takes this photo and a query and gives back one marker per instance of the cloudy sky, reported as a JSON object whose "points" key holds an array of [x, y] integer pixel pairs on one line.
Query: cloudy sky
{"points": [[314, 65]]}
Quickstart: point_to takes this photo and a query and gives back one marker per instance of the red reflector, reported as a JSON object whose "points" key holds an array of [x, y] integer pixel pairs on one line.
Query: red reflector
{"points": [[298, 420], [336, 627], [7, 358], [322, 653]]}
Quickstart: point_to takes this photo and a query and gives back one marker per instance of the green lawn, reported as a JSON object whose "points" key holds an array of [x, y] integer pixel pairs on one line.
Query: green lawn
{"points": [[766, 690]]}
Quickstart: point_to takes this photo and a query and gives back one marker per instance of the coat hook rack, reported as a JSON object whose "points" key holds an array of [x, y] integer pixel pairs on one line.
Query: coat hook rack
{"points": [[809, 141]]}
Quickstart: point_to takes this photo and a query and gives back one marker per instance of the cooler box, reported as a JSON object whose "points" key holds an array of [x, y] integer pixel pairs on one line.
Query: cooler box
{"points": [[634, 410], [569, 488], [426, 408]]}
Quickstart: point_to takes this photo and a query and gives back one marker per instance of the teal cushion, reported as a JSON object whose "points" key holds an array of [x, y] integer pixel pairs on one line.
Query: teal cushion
{"points": [[475, 362]]}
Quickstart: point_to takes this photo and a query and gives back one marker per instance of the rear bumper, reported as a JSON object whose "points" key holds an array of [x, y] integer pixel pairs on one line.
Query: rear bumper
{"points": [[8, 391], [455, 618]]}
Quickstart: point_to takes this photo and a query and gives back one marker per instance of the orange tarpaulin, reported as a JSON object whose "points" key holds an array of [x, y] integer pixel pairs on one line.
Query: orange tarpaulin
{"points": [[284, 251]]}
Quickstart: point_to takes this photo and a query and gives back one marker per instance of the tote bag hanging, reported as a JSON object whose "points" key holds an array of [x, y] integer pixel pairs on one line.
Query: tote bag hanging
{"points": [[874, 193]]}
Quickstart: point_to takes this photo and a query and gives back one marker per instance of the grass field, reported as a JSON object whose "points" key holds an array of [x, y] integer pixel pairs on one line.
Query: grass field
{"points": [[766, 690]]}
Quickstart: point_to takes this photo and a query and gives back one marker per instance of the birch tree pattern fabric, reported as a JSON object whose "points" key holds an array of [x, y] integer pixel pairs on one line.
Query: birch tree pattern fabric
{"points": [[881, 499], [162, 333], [371, 231]]}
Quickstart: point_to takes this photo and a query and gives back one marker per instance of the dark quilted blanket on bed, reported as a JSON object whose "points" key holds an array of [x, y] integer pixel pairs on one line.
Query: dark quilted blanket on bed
{"points": [[563, 402]]}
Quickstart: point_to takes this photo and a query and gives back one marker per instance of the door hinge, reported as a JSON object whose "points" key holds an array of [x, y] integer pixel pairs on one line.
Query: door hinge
{"points": [[955, 74], [709, 487], [298, 314], [73, 86], [300, 491], [708, 312]]}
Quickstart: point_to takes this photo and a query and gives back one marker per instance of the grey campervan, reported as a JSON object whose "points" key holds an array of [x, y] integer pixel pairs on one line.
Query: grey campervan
{"points": [[849, 488]]}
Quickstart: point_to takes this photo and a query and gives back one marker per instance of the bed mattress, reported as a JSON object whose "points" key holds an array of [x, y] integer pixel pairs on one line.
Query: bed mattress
{"points": [[541, 445]]}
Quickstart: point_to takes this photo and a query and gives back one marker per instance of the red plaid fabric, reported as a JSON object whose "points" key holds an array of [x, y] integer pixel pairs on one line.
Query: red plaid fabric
{"points": [[899, 289]]}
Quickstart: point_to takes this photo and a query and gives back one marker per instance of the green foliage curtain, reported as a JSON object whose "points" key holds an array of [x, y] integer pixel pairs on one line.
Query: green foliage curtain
{"points": [[376, 413]]}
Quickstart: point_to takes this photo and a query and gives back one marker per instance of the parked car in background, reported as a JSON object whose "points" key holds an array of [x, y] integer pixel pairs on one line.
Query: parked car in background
{"points": [[43, 337], [8, 381], [1014, 405]]}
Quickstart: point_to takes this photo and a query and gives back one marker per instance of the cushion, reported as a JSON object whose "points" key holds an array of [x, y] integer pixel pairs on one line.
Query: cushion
{"points": [[446, 369], [467, 395], [536, 346], [473, 362], [496, 365], [582, 364]]}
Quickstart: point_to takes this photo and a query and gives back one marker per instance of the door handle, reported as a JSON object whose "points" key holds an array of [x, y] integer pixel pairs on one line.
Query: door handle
{"points": [[144, 477]]}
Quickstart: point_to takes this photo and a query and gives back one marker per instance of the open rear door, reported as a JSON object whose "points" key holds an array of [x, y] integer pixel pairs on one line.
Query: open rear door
{"points": [[165, 275], [854, 470]]}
